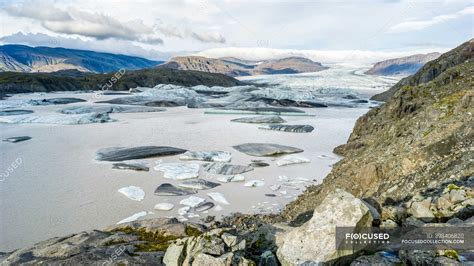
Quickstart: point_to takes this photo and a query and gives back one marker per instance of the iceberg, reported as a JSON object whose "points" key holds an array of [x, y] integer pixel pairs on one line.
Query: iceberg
{"points": [[178, 171], [133, 193], [208, 156], [164, 206], [292, 159], [133, 217], [255, 183], [192, 201], [58, 119], [218, 197]]}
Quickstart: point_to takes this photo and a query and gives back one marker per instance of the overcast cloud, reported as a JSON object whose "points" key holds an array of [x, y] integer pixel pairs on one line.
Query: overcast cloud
{"points": [[156, 29]]}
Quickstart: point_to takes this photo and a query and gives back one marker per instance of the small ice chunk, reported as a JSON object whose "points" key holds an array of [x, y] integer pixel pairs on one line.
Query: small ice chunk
{"points": [[181, 218], [184, 210], [232, 178], [133, 217], [218, 208], [275, 187], [208, 156], [292, 159], [164, 206], [192, 201], [133, 193], [218, 197], [283, 192], [193, 215], [255, 183], [178, 171]]}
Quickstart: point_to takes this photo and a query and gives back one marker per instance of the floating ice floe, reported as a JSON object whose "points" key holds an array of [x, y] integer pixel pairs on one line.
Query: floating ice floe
{"points": [[133, 193], [226, 168], [218, 197], [265, 149], [182, 211], [218, 208], [289, 128], [204, 206], [254, 183], [108, 108], [17, 139], [199, 184], [232, 178], [58, 119], [133, 217], [115, 154], [136, 166], [292, 159], [167, 189], [164, 206], [178, 171], [209, 156], [193, 215], [192, 201], [181, 218], [275, 187], [263, 119]]}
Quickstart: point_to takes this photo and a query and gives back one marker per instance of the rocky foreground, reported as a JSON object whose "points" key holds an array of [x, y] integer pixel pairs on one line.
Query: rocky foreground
{"points": [[407, 163]]}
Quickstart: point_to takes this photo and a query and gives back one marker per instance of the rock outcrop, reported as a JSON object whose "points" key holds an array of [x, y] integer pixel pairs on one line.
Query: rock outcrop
{"points": [[403, 66], [235, 67], [421, 137]]}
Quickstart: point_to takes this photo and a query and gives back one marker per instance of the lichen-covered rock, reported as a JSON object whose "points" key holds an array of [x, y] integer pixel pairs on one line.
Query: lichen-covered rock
{"points": [[315, 240]]}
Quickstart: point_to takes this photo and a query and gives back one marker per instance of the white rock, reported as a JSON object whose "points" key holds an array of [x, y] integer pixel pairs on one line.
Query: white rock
{"points": [[178, 171], [218, 197], [133, 193], [133, 217], [315, 242], [164, 206], [255, 183], [292, 159], [192, 201]]}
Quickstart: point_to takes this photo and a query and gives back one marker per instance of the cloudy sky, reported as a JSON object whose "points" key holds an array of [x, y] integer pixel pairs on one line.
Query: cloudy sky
{"points": [[252, 29]]}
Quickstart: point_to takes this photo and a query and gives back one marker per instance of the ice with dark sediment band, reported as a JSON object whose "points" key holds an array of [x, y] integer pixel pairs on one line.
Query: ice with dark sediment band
{"points": [[292, 159], [133, 193], [289, 128], [55, 101], [167, 189], [209, 156], [199, 184], [218, 197], [106, 108], [262, 119], [204, 206], [17, 139], [226, 169], [61, 119], [15, 112], [265, 149], [232, 178], [178, 171], [131, 153], [136, 166]]}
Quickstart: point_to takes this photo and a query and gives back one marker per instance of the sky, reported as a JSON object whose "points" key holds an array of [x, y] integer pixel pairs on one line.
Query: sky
{"points": [[324, 30]]}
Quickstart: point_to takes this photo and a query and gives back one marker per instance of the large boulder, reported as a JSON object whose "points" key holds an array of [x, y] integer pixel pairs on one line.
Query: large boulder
{"points": [[315, 241]]}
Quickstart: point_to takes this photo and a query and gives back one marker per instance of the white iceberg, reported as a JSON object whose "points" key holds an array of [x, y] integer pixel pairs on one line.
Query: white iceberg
{"points": [[178, 171], [232, 178], [255, 183], [133, 193], [182, 211], [208, 156], [292, 159], [192, 201], [218, 197], [164, 206], [133, 217]]}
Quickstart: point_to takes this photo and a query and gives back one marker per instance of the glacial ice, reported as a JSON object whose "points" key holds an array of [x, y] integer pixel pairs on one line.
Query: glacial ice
{"points": [[292, 159], [254, 183], [164, 206], [218, 197], [178, 171], [58, 119], [133, 218], [133, 193], [192, 201], [208, 156]]}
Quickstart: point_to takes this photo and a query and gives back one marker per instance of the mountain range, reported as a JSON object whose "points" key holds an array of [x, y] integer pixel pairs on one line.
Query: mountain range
{"points": [[403, 66], [236, 67], [22, 58]]}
